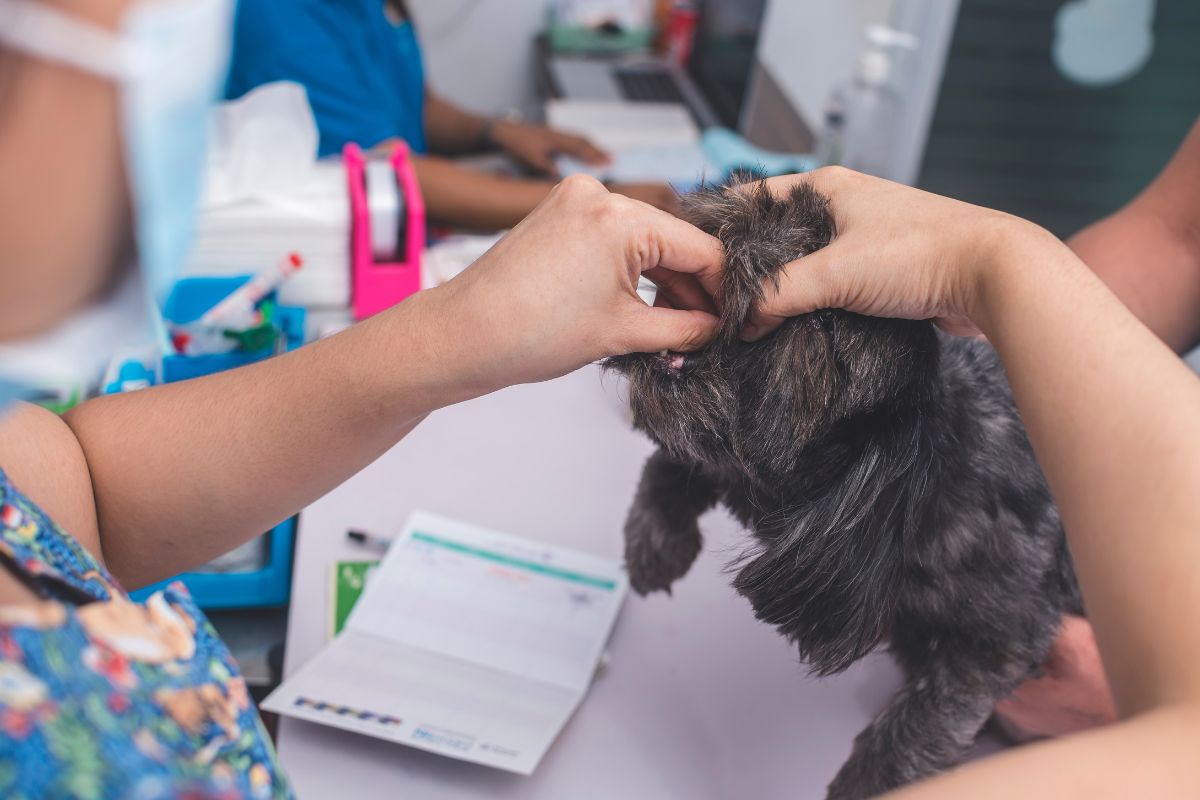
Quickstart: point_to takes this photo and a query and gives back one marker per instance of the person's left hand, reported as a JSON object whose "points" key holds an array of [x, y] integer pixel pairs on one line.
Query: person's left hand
{"points": [[536, 145], [560, 291]]}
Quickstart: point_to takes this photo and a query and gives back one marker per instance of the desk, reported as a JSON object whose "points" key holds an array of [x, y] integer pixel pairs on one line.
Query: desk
{"points": [[698, 700]]}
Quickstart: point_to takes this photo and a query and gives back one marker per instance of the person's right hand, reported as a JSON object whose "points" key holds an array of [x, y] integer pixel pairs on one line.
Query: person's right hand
{"points": [[659, 195], [898, 252], [560, 291]]}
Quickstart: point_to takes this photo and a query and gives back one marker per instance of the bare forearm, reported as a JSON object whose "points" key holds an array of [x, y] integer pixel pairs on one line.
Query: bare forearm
{"points": [[1150, 756], [186, 471], [473, 199], [1151, 267], [1123, 463], [1149, 252], [451, 130]]}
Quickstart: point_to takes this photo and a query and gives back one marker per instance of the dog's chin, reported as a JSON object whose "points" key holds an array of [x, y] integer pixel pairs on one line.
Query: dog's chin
{"points": [[666, 365], [681, 400]]}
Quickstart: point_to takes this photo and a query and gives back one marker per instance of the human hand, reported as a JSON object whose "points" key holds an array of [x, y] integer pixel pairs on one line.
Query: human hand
{"points": [[898, 252], [659, 195], [1072, 696], [537, 145], [559, 290]]}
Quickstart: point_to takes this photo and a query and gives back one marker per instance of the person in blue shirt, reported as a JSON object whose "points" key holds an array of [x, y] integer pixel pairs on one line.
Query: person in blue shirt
{"points": [[360, 62]]}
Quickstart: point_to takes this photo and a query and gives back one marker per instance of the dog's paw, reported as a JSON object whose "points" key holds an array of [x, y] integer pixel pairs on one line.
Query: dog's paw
{"points": [[658, 551]]}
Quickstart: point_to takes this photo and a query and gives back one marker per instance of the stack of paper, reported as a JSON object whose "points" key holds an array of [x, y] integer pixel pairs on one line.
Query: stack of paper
{"points": [[244, 235], [465, 642]]}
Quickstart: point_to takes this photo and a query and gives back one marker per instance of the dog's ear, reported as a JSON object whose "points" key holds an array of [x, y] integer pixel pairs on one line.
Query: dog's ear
{"points": [[760, 233], [820, 370], [789, 386], [883, 364], [712, 205], [826, 571]]}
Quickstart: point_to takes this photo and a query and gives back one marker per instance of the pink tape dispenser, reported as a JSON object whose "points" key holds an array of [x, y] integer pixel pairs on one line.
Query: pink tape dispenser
{"points": [[388, 229]]}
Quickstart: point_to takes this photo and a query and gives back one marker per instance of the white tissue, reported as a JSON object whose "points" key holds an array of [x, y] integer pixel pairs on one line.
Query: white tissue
{"points": [[266, 194], [263, 145]]}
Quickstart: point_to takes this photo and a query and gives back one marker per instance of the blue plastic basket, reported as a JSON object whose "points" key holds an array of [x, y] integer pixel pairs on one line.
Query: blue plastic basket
{"points": [[188, 301], [271, 585]]}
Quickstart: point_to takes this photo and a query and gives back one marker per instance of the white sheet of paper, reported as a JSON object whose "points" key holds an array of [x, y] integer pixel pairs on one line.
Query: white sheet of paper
{"points": [[467, 642]]}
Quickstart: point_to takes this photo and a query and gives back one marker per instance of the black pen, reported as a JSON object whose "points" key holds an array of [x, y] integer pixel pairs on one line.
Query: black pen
{"points": [[368, 540]]}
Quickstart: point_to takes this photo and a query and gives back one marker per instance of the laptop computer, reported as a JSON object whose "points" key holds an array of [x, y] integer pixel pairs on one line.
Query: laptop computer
{"points": [[712, 85]]}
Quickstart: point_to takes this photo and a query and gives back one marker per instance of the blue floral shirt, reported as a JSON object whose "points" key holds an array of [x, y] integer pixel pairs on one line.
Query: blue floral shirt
{"points": [[102, 697]]}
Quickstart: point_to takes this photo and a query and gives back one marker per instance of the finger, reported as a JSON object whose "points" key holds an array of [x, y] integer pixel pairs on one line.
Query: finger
{"points": [[580, 147], [589, 152], [683, 290], [682, 247], [957, 326], [653, 329], [826, 180], [801, 286]]}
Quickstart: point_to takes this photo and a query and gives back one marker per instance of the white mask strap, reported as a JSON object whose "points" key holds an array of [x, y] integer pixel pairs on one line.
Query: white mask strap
{"points": [[48, 33]]}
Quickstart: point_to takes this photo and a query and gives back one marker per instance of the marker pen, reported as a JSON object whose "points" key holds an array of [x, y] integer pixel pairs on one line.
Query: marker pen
{"points": [[368, 540], [238, 305]]}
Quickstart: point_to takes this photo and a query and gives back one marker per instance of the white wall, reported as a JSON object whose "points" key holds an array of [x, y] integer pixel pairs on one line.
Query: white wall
{"points": [[810, 46], [479, 53]]}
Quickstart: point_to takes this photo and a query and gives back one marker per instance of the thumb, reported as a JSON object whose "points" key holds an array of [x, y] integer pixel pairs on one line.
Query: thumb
{"points": [[799, 287], [651, 329]]}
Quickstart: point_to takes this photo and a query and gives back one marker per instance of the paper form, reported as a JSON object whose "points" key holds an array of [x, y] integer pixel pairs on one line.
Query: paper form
{"points": [[466, 642]]}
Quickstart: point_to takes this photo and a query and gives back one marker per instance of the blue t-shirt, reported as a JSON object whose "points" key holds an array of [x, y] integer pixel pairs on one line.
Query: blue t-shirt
{"points": [[363, 73]]}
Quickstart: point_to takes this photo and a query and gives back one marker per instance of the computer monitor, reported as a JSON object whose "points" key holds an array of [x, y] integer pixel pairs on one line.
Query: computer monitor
{"points": [[723, 53]]}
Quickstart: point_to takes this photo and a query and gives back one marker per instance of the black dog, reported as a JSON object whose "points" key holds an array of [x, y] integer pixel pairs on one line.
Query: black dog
{"points": [[884, 471]]}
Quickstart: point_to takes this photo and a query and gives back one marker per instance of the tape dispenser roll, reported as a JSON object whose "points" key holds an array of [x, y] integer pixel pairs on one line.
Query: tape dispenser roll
{"points": [[385, 205]]}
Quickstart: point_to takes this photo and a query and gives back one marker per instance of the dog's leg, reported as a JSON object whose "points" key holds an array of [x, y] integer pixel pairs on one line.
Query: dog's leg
{"points": [[662, 537], [931, 722]]}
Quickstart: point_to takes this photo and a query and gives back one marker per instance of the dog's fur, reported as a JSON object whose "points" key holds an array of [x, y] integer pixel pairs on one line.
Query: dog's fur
{"points": [[887, 479]]}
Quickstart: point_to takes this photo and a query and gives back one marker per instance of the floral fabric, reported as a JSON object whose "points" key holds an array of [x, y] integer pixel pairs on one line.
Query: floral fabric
{"points": [[102, 697]]}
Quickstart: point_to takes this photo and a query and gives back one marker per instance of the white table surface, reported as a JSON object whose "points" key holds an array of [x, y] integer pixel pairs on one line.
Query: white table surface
{"points": [[698, 700]]}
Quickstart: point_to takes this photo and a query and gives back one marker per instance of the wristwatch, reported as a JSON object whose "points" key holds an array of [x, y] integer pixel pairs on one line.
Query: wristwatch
{"points": [[486, 141]]}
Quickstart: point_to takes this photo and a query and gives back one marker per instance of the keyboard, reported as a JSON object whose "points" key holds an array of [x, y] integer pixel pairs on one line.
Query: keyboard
{"points": [[648, 84]]}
